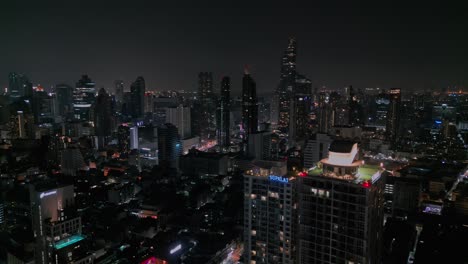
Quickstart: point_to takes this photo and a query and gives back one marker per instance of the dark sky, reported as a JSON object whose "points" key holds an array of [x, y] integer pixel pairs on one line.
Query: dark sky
{"points": [[396, 45]]}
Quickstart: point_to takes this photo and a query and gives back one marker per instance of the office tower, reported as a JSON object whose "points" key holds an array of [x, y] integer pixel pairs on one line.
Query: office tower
{"points": [[21, 125], [249, 105], [287, 84], [134, 138], [71, 161], [382, 104], [356, 115], [205, 114], [119, 90], [169, 146], [205, 85], [325, 113], [340, 211], [137, 94], [56, 225], [269, 214], [223, 122], [103, 117], [19, 86], [123, 138], [299, 109], [64, 99], [42, 105], [148, 102], [393, 116], [83, 98], [180, 117], [316, 148], [259, 145]]}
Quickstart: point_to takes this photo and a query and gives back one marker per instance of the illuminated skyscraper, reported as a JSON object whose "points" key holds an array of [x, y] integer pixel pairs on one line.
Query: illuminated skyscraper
{"points": [[269, 214], [205, 114], [287, 84], [340, 209], [249, 104], [394, 113], [56, 225], [223, 122], [19, 86], [180, 117], [137, 90], [84, 98]]}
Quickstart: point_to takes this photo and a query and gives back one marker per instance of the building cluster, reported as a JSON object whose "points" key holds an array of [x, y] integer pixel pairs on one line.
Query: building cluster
{"points": [[301, 174]]}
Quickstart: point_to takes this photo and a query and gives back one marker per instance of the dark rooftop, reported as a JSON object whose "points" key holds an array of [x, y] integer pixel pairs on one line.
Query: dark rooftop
{"points": [[342, 146]]}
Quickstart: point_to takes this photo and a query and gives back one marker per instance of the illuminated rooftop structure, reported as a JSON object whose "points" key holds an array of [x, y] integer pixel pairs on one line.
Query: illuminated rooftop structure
{"points": [[343, 163], [68, 241]]}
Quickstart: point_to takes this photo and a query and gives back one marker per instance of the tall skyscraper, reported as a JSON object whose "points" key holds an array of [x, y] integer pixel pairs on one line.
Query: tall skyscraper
{"points": [[340, 211], [19, 86], [269, 214], [249, 104], [134, 139], [393, 116], [64, 99], [205, 85], [119, 90], [169, 145], [180, 117], [137, 90], [300, 106], [325, 112], [223, 122], [103, 117], [84, 98], [56, 225], [287, 84]]}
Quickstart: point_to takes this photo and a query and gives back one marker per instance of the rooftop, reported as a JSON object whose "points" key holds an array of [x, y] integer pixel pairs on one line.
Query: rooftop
{"points": [[68, 241]]}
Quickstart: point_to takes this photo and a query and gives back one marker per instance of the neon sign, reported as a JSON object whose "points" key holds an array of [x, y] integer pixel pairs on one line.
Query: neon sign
{"points": [[45, 194], [278, 179]]}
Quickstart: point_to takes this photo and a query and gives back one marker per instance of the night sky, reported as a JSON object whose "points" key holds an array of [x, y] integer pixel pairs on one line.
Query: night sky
{"points": [[411, 47]]}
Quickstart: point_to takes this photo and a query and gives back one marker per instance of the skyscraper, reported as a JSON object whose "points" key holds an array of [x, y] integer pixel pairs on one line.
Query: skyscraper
{"points": [[64, 99], [223, 122], [287, 84], [249, 104], [269, 214], [340, 212], [103, 117], [119, 90], [205, 85], [137, 90], [180, 117], [205, 116], [19, 86], [169, 146], [56, 225], [393, 116], [84, 98]]}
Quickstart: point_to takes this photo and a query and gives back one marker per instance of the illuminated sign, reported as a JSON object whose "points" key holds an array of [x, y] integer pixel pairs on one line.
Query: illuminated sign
{"points": [[278, 179], [175, 249], [45, 194]]}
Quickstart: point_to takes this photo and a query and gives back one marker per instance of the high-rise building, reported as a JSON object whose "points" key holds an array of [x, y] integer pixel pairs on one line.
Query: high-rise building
{"points": [[180, 117], [269, 214], [205, 85], [300, 106], [137, 91], [119, 90], [393, 116], [249, 105], [42, 105], [134, 139], [259, 145], [56, 225], [19, 86], [169, 145], [64, 99], [325, 113], [316, 149], [84, 98], [103, 117], [71, 161], [340, 211], [287, 84], [223, 122]]}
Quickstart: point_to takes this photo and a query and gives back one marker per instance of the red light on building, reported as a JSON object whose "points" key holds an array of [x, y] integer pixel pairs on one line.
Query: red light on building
{"points": [[302, 174], [153, 260], [366, 184]]}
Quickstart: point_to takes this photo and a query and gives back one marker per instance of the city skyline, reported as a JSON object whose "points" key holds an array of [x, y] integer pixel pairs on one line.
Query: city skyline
{"points": [[412, 47]]}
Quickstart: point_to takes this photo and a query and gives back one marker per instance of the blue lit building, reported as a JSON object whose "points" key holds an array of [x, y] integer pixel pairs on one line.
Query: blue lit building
{"points": [[84, 98]]}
